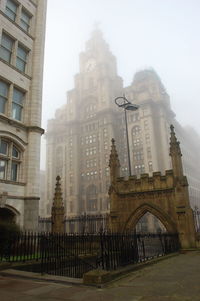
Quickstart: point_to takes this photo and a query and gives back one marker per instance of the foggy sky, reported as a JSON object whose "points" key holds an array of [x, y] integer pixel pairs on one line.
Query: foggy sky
{"points": [[162, 34]]}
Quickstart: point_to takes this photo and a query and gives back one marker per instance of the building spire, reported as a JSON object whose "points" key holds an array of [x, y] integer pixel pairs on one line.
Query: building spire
{"points": [[114, 163], [58, 201], [175, 153], [57, 210]]}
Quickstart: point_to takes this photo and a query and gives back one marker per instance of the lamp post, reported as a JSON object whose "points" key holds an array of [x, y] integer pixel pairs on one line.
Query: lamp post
{"points": [[124, 103]]}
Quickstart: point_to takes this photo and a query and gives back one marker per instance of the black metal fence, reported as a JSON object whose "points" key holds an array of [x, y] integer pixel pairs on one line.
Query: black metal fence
{"points": [[21, 247], [73, 255], [123, 249]]}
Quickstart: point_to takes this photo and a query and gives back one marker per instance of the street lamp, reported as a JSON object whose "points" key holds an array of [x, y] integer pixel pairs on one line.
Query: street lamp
{"points": [[122, 102]]}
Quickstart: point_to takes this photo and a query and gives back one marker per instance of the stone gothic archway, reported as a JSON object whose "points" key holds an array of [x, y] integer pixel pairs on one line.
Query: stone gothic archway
{"points": [[138, 213], [8, 214], [164, 196]]}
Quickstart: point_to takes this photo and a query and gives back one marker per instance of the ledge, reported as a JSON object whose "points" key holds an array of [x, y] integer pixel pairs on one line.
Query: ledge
{"points": [[100, 278]]}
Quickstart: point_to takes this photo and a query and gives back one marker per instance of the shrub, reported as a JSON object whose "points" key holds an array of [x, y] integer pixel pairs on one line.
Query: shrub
{"points": [[8, 235]]}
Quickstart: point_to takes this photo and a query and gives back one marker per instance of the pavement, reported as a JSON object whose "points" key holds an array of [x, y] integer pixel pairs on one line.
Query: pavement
{"points": [[173, 279]]}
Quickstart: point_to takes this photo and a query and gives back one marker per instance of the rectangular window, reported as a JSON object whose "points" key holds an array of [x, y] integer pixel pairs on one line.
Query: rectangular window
{"points": [[14, 169], [2, 169], [25, 20], [21, 59], [11, 9], [17, 104], [3, 96], [6, 48]]}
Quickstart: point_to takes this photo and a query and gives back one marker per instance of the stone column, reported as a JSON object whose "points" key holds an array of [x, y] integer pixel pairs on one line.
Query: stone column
{"points": [[185, 219]]}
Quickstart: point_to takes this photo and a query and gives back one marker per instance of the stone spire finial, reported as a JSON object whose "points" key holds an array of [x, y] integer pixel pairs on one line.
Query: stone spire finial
{"points": [[57, 210], [174, 143], [114, 163], [175, 153], [58, 201]]}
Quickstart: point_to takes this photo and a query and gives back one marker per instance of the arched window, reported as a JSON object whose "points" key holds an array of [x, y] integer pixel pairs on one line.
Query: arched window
{"points": [[91, 195], [10, 160]]}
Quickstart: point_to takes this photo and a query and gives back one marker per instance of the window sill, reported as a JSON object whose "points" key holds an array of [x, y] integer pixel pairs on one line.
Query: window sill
{"points": [[12, 182], [14, 68]]}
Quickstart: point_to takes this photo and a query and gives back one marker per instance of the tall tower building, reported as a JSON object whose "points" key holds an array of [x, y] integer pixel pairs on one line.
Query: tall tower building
{"points": [[22, 34], [79, 137]]}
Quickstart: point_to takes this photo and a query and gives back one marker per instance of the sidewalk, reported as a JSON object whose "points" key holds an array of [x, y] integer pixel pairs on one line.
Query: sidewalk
{"points": [[173, 279]]}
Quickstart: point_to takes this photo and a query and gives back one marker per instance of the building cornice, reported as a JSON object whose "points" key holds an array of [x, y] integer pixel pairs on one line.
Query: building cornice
{"points": [[36, 129], [20, 125], [7, 133]]}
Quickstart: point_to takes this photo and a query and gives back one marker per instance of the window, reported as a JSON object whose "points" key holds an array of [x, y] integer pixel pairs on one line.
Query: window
{"points": [[136, 130], [105, 132], [17, 104], [3, 169], [9, 161], [11, 9], [3, 161], [3, 96], [15, 153], [21, 59], [3, 147], [134, 117], [25, 20], [148, 152], [137, 142], [147, 138], [138, 155], [150, 166], [6, 48], [138, 169], [146, 125], [90, 151], [91, 196]]}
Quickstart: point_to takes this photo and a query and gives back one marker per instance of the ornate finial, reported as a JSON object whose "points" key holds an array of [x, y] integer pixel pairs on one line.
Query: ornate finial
{"points": [[113, 155], [57, 210], [58, 201], [58, 178], [175, 153], [114, 163], [174, 143]]}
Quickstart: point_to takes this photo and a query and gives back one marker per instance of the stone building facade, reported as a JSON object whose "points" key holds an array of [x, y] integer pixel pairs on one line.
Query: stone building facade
{"points": [[22, 35], [79, 137], [165, 196]]}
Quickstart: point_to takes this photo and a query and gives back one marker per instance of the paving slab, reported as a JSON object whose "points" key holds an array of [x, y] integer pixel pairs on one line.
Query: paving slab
{"points": [[174, 279]]}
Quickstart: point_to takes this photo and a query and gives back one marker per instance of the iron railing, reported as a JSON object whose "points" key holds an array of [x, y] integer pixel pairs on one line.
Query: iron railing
{"points": [[73, 254], [21, 247], [122, 249]]}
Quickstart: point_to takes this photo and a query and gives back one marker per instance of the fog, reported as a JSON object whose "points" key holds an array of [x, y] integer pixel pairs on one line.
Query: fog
{"points": [[162, 34]]}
